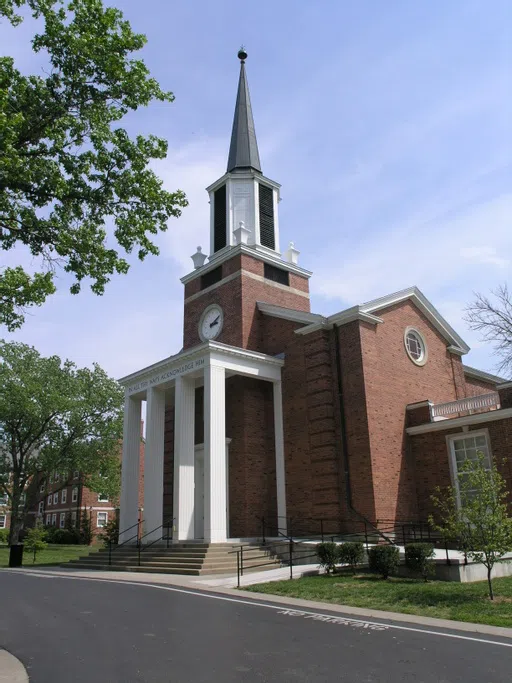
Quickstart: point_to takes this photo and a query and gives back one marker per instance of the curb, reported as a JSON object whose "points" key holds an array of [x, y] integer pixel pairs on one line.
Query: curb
{"points": [[11, 669]]}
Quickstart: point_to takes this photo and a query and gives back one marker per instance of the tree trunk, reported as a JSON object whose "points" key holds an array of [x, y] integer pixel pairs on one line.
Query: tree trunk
{"points": [[16, 517], [491, 594]]}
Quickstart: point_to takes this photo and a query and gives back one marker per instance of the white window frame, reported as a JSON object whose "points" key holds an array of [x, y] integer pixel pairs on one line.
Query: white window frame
{"points": [[54, 519], [76, 474], [73, 517], [74, 494], [103, 514], [62, 520], [41, 488], [48, 519], [4, 498], [450, 441], [64, 495], [50, 499], [102, 498], [41, 507], [424, 357], [56, 498], [3, 521]]}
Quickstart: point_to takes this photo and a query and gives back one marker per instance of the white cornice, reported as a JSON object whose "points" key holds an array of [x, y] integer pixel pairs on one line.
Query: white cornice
{"points": [[444, 425], [480, 374], [195, 351], [229, 252], [288, 313], [419, 404], [504, 385], [244, 175], [339, 319]]}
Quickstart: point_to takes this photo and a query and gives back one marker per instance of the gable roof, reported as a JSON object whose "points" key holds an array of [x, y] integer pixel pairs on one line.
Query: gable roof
{"points": [[368, 311], [483, 376], [413, 294]]}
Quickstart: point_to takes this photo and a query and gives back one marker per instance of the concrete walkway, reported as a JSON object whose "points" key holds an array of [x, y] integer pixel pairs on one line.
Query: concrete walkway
{"points": [[11, 669]]}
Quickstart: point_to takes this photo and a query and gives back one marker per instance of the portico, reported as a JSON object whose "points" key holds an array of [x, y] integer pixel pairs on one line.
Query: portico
{"points": [[200, 481]]}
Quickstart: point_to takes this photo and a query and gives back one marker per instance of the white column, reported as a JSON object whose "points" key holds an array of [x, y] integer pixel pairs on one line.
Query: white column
{"points": [[214, 454], [184, 458], [279, 446], [154, 464], [129, 507]]}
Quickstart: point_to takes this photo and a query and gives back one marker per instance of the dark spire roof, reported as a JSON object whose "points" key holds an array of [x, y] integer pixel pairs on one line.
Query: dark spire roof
{"points": [[243, 150]]}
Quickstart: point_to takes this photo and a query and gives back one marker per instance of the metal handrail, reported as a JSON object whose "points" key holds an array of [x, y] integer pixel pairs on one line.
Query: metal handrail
{"points": [[167, 524]]}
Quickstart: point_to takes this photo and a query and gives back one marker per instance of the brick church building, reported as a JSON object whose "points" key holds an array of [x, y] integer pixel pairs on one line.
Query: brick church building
{"points": [[273, 411]]}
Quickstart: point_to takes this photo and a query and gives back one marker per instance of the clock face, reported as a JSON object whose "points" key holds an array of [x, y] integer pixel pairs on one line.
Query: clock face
{"points": [[211, 322]]}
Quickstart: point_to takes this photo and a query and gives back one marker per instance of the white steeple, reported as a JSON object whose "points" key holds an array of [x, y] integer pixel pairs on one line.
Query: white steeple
{"points": [[244, 194]]}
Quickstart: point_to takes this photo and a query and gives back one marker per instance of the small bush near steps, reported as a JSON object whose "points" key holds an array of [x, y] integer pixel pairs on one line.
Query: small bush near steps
{"points": [[327, 556], [384, 559], [419, 558], [352, 554]]}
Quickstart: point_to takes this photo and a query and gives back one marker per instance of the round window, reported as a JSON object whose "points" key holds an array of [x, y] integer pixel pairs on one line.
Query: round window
{"points": [[415, 346]]}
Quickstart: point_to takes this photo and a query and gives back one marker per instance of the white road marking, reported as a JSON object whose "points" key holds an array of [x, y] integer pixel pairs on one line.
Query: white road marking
{"points": [[254, 603]]}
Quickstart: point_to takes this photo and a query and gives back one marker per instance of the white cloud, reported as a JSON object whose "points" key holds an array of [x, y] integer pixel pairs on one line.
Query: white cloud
{"points": [[484, 256]]}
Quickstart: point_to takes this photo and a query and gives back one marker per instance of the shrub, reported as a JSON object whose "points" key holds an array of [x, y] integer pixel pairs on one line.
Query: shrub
{"points": [[327, 556], [4, 536], [351, 554], [384, 559], [62, 536], [110, 533], [418, 557], [35, 540]]}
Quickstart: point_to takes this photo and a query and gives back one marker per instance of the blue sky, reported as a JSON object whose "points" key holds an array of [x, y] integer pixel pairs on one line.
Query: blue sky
{"points": [[389, 126]]}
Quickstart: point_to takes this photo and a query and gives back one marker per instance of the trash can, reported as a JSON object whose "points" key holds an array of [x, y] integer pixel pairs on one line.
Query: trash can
{"points": [[16, 555]]}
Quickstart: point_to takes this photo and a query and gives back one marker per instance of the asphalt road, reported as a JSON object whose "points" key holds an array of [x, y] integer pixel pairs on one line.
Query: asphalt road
{"points": [[81, 631]]}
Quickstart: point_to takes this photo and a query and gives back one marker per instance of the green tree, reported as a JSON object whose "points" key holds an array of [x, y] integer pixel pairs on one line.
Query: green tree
{"points": [[85, 528], [474, 514], [74, 187], [35, 539], [54, 417]]}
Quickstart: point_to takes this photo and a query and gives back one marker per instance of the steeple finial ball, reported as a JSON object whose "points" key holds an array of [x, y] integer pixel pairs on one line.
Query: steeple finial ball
{"points": [[242, 54]]}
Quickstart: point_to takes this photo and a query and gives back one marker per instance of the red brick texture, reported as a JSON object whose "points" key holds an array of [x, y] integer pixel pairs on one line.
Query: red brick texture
{"points": [[476, 387], [432, 459], [242, 321]]}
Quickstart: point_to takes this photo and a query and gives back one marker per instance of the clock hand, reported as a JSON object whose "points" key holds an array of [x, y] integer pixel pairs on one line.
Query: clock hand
{"points": [[215, 322]]}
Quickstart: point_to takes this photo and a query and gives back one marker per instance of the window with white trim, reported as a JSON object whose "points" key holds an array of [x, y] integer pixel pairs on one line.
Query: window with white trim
{"points": [[41, 488], [73, 518], [62, 521], [48, 520], [74, 494], [102, 519], [64, 496], [54, 519], [3, 498], [464, 447], [55, 498], [102, 498], [415, 346], [41, 507], [3, 521], [50, 499], [76, 474]]}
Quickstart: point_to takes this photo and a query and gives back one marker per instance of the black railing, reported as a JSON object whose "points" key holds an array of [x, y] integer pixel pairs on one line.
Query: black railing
{"points": [[137, 537], [165, 525]]}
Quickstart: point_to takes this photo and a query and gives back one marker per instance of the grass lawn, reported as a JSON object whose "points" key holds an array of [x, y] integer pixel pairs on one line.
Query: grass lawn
{"points": [[53, 554], [440, 599]]}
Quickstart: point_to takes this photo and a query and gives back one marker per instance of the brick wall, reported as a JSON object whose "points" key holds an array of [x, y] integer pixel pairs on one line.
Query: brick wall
{"points": [[432, 459], [243, 325], [476, 387], [392, 381]]}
